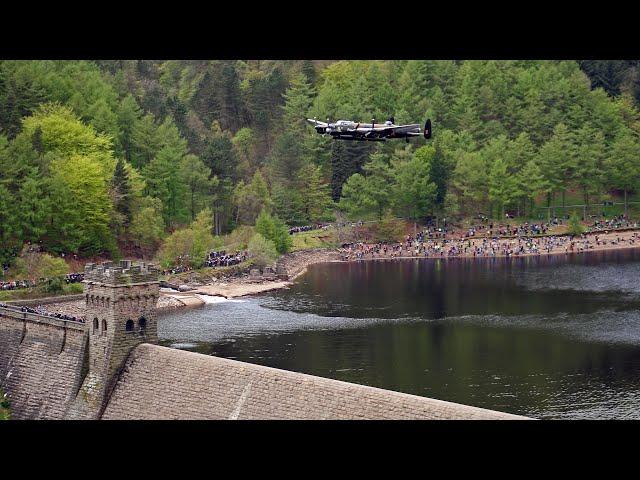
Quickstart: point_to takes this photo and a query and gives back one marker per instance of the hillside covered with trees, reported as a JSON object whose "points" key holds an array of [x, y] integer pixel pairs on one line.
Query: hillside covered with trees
{"points": [[97, 157]]}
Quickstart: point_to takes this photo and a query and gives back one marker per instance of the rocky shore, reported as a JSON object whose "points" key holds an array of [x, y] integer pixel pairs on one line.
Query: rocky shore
{"points": [[294, 264]]}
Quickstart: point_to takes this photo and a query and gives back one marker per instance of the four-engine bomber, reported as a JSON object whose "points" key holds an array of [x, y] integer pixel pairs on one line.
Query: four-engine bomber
{"points": [[350, 130]]}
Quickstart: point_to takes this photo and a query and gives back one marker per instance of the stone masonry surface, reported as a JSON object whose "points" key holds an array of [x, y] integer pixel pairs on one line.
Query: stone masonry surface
{"points": [[41, 363], [163, 383]]}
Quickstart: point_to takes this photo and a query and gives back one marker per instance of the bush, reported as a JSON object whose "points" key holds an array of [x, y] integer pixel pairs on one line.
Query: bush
{"points": [[262, 252], [575, 227], [53, 285], [147, 225], [274, 229], [34, 264], [191, 245], [203, 239], [239, 238], [4, 406]]}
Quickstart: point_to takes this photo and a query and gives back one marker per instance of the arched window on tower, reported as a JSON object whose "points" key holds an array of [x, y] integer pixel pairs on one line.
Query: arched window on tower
{"points": [[104, 327], [95, 325], [142, 323], [129, 325]]}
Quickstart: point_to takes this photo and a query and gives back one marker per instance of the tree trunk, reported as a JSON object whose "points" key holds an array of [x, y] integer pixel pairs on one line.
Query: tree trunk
{"points": [[625, 203], [586, 205]]}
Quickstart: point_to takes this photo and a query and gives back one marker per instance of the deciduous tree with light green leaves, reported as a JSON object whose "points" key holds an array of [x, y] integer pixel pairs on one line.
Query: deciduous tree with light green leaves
{"points": [[191, 245], [275, 230], [262, 252], [147, 225], [35, 265], [251, 199]]}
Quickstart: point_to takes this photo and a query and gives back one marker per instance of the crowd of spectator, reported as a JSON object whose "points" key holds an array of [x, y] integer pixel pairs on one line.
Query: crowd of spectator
{"points": [[422, 246], [180, 268], [223, 259], [617, 222], [74, 277], [308, 228], [19, 284], [214, 259], [502, 230], [40, 310]]}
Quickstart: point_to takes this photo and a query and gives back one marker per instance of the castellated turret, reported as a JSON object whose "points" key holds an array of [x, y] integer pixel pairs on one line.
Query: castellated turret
{"points": [[120, 314]]}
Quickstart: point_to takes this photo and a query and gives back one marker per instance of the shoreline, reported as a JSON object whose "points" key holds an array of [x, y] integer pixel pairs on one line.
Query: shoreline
{"points": [[296, 264], [490, 257]]}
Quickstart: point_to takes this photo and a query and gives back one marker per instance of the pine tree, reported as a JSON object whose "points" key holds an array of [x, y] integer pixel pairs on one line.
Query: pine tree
{"points": [[251, 199], [163, 181], [316, 198], [196, 177], [309, 71], [298, 99], [19, 97], [220, 158], [38, 145], [347, 158], [129, 114], [7, 224], [145, 141], [121, 193]]}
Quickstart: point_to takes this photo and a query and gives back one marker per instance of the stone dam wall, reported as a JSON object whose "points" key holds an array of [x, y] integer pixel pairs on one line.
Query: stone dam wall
{"points": [[41, 363], [163, 383], [44, 362]]}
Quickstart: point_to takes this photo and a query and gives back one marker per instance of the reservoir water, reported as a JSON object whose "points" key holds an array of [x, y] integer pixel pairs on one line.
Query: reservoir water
{"points": [[549, 337]]}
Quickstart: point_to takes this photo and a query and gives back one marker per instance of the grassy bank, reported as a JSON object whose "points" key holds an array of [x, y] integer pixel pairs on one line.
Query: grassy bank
{"points": [[38, 292], [4, 407], [314, 239], [206, 274]]}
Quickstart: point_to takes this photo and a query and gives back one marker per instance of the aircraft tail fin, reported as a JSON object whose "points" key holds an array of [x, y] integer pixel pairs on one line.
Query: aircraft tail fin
{"points": [[427, 129]]}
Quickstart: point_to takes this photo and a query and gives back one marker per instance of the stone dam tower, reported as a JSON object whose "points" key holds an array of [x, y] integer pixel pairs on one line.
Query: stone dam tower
{"points": [[120, 315]]}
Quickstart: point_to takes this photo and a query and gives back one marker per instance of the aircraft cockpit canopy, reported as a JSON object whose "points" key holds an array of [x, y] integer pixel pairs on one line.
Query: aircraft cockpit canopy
{"points": [[344, 125]]}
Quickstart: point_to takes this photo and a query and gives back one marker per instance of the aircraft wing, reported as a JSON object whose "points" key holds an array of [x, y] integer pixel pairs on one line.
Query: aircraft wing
{"points": [[406, 128], [317, 123], [390, 130]]}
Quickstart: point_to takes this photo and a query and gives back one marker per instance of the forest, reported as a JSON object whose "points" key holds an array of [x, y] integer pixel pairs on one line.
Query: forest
{"points": [[112, 157]]}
